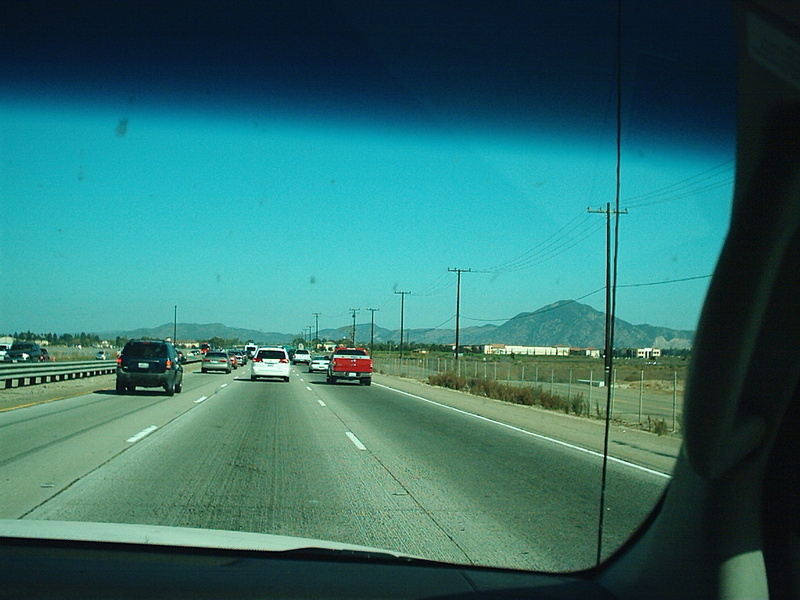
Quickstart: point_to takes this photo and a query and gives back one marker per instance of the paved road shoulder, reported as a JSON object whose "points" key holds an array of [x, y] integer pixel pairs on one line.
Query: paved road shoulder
{"points": [[639, 447]]}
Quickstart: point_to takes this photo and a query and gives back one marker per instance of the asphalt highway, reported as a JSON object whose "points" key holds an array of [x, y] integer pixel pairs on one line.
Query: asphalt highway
{"points": [[375, 466]]}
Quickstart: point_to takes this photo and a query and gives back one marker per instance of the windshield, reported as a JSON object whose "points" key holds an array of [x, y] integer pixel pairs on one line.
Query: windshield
{"points": [[460, 173]]}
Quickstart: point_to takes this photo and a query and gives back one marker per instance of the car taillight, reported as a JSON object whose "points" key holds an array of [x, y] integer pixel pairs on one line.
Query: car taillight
{"points": [[206, 359], [284, 360], [169, 364], [119, 361], [256, 359]]}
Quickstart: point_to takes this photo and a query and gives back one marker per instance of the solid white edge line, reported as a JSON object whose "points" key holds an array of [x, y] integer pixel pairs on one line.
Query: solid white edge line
{"points": [[526, 432], [142, 433], [355, 440]]}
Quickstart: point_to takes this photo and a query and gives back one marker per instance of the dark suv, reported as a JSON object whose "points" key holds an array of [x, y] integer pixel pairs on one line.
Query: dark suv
{"points": [[149, 363], [26, 352]]}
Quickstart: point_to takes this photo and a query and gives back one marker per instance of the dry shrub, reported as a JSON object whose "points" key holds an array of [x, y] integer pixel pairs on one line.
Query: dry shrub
{"points": [[448, 380]]}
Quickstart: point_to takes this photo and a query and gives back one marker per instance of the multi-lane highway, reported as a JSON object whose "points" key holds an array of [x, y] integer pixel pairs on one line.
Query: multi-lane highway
{"points": [[374, 466]]}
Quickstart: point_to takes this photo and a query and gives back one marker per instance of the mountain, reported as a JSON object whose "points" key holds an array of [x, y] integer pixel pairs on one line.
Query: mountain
{"points": [[563, 322], [579, 325], [200, 332]]}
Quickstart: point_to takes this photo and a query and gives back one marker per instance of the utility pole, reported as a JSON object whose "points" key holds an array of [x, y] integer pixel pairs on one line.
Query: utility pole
{"points": [[611, 302], [611, 287], [372, 329], [402, 313], [175, 327], [354, 311], [458, 304], [316, 325]]}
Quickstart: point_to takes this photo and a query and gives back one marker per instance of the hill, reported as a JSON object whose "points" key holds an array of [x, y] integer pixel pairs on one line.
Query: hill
{"points": [[205, 331], [580, 325], [563, 322]]}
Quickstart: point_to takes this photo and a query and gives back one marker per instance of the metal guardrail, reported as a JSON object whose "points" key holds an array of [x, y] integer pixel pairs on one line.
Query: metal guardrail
{"points": [[27, 373], [23, 374]]}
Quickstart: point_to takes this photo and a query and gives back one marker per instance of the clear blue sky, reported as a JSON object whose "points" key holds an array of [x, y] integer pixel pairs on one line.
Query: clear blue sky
{"points": [[251, 197]]}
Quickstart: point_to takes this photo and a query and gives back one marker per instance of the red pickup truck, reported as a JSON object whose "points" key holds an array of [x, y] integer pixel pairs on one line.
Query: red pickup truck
{"points": [[352, 364]]}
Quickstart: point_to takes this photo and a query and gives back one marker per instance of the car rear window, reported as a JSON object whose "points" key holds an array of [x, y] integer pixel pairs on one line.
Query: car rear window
{"points": [[22, 347], [217, 354], [351, 352], [262, 354], [146, 350]]}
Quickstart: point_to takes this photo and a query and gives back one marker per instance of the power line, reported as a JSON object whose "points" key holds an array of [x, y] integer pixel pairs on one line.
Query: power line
{"points": [[666, 281], [578, 229]]}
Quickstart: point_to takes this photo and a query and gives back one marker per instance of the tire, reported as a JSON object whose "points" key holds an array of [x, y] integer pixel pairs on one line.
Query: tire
{"points": [[253, 378], [120, 388], [331, 379], [203, 370], [131, 389], [170, 388], [286, 379], [178, 387], [366, 381], [228, 371]]}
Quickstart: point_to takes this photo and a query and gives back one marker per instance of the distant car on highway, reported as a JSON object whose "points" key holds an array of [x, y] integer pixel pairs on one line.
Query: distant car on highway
{"points": [[26, 352], [270, 362], [301, 355], [214, 360], [149, 363], [319, 363], [101, 355]]}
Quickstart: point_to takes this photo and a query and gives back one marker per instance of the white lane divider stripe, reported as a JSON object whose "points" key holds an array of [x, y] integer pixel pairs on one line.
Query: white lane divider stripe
{"points": [[532, 434], [355, 440], [200, 399], [321, 403], [309, 389], [224, 385], [142, 433]]}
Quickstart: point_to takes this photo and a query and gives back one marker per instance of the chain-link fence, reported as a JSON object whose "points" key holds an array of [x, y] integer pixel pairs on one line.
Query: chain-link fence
{"points": [[638, 394]]}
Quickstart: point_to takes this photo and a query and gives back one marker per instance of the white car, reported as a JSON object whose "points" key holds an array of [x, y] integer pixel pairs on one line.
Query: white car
{"points": [[301, 356], [319, 363], [270, 362]]}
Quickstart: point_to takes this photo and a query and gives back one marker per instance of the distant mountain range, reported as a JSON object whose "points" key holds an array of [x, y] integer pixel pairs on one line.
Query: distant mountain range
{"points": [[564, 322]]}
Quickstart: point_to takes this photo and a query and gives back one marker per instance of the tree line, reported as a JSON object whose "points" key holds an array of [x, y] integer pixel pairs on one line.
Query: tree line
{"points": [[58, 339]]}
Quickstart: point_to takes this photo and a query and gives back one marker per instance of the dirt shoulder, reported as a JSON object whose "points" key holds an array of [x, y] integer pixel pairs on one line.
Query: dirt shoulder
{"points": [[29, 395], [625, 443]]}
